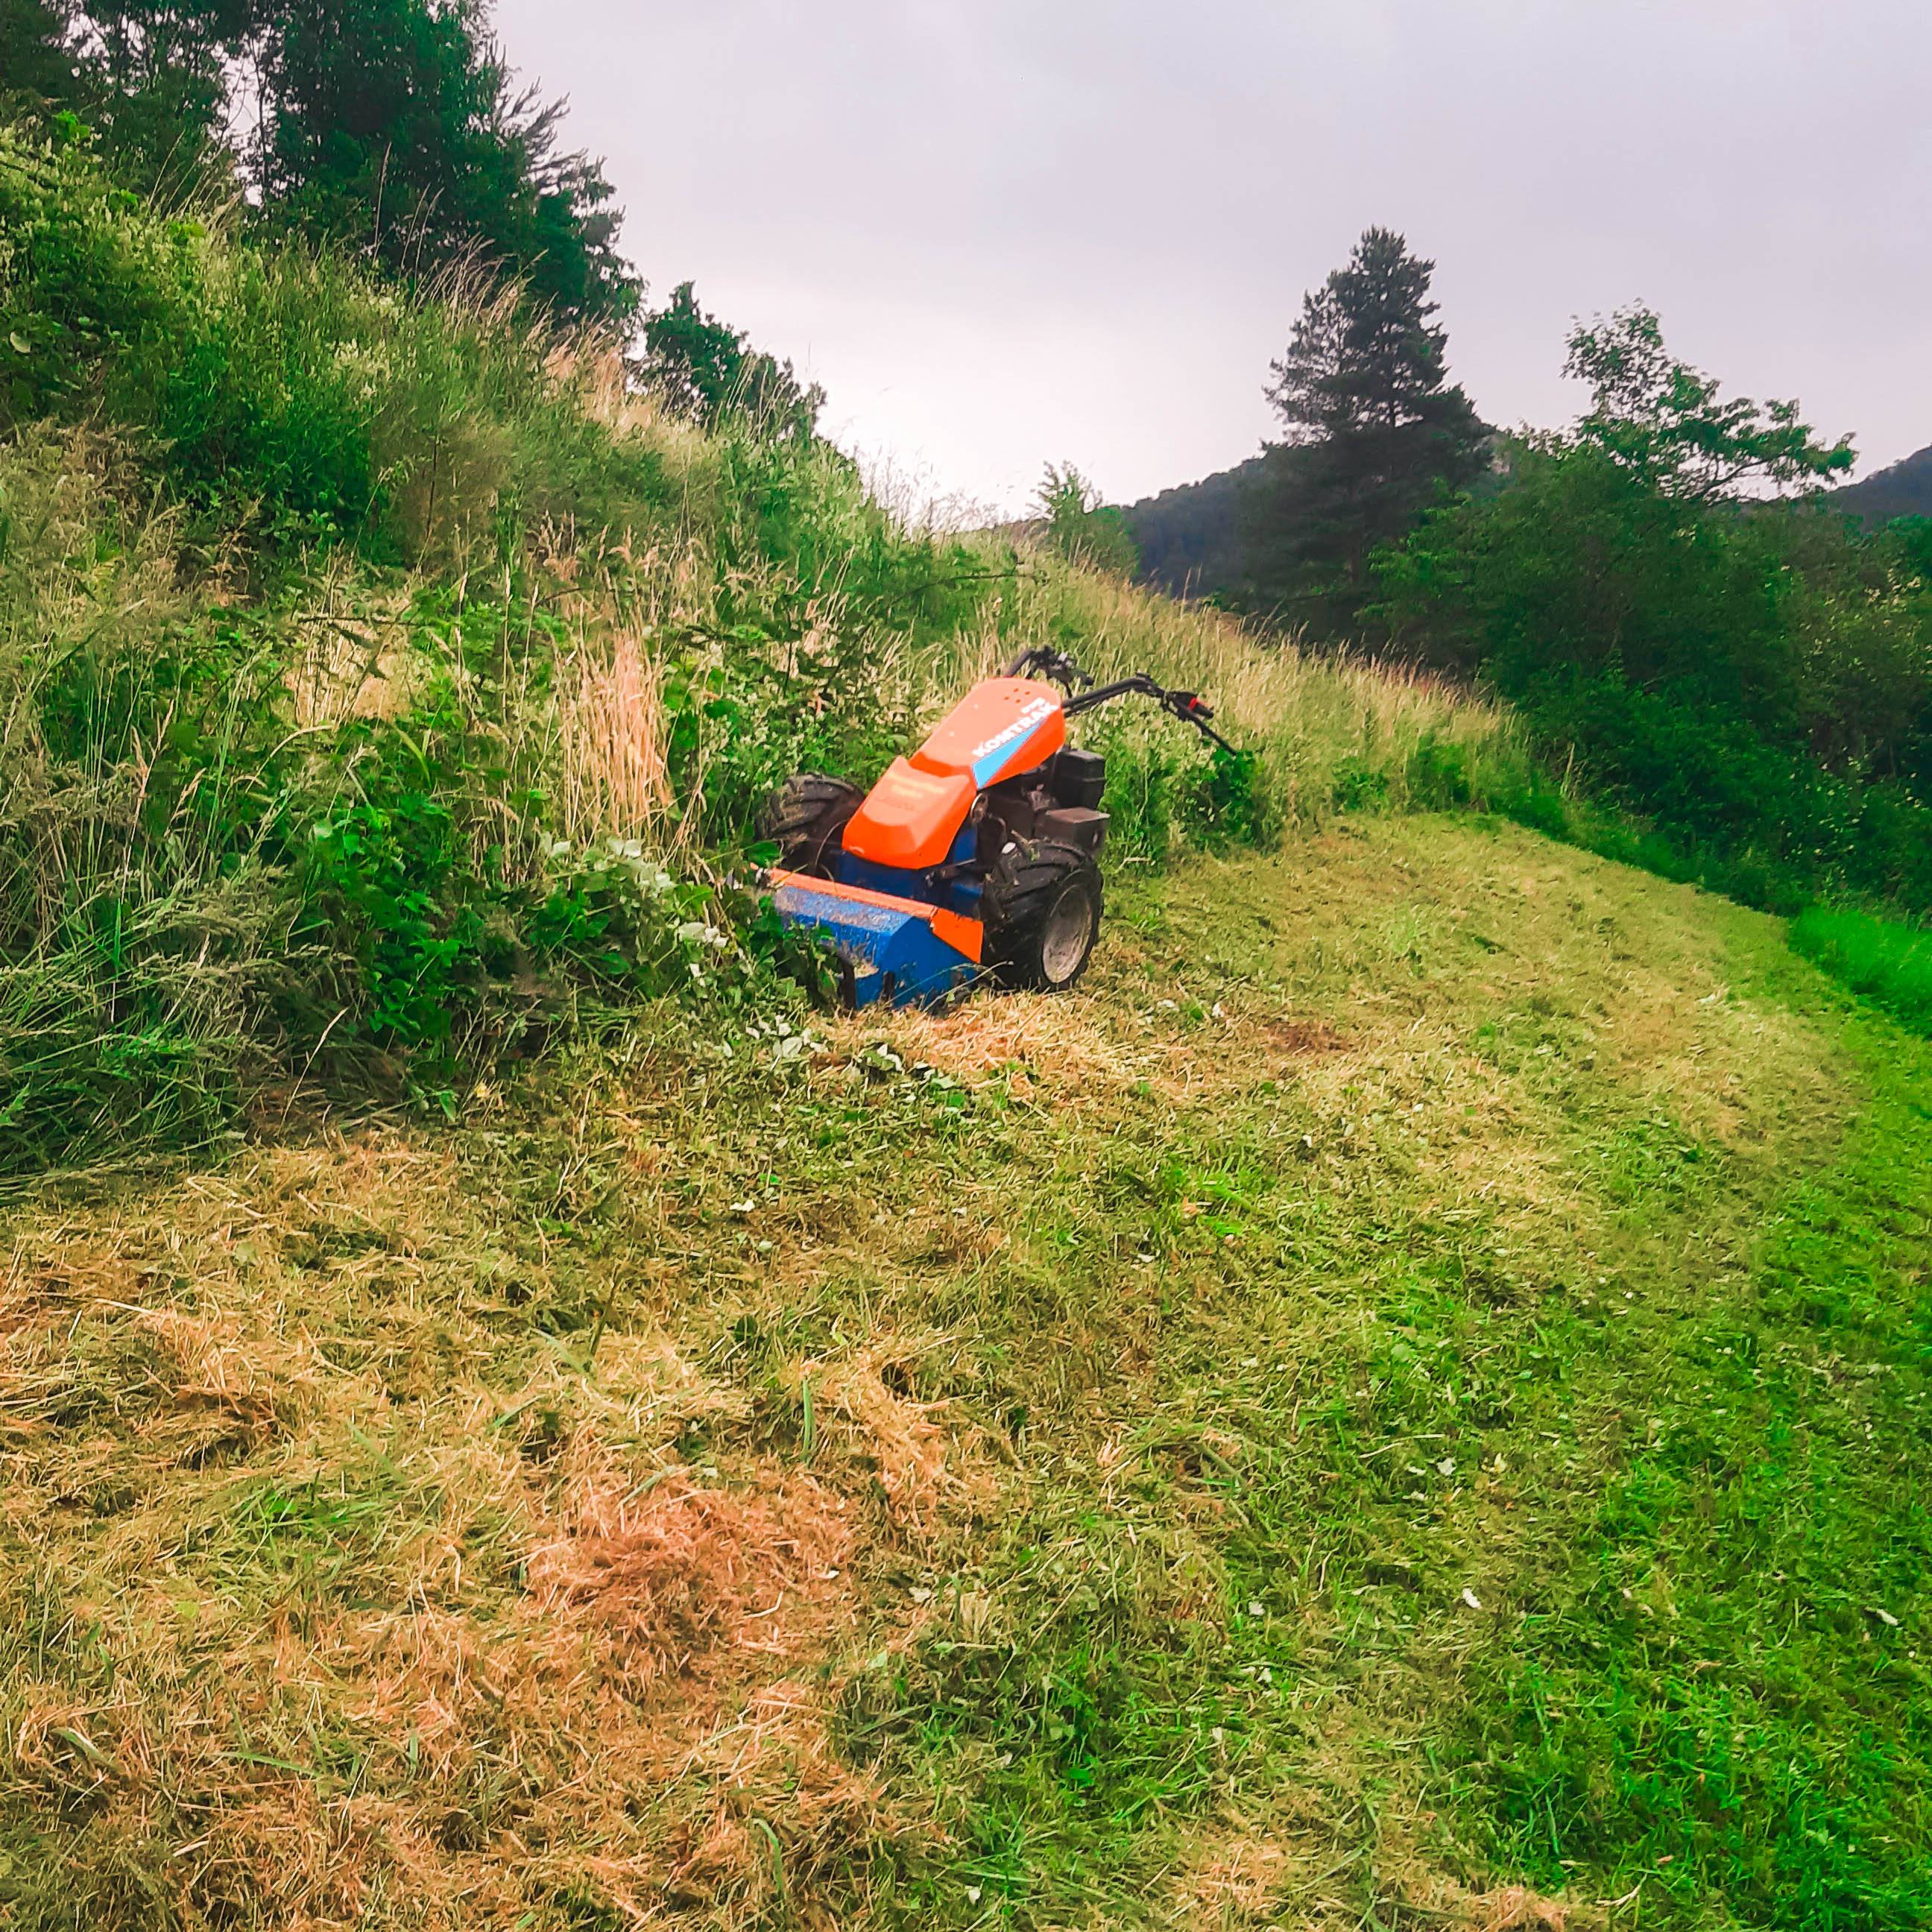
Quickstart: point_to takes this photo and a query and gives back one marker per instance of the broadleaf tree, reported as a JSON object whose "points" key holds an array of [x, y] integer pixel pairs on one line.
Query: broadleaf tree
{"points": [[150, 78], [1664, 420], [1753, 676]]}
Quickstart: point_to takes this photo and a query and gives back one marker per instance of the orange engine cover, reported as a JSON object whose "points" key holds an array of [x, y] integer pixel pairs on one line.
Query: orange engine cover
{"points": [[1002, 727], [910, 817]]}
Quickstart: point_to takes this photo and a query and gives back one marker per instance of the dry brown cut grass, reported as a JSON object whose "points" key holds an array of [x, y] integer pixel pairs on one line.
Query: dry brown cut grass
{"points": [[406, 1529]]}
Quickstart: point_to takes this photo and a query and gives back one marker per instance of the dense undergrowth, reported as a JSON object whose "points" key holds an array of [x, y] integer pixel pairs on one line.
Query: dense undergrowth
{"points": [[387, 689], [385, 686], [1750, 679]]}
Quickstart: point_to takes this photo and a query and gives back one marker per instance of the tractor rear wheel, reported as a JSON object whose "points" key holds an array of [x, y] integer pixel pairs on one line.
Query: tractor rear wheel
{"points": [[805, 817], [1043, 917]]}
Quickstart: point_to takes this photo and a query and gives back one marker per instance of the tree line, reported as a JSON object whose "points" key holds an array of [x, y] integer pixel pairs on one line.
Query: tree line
{"points": [[1663, 586], [396, 131]]}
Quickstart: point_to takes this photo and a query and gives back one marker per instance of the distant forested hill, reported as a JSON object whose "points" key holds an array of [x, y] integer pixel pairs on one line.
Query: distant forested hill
{"points": [[1905, 490], [1189, 537]]}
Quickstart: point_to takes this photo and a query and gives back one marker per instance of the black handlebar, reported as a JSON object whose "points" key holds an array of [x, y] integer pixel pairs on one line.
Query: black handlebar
{"points": [[1189, 706], [1083, 694], [1049, 663]]}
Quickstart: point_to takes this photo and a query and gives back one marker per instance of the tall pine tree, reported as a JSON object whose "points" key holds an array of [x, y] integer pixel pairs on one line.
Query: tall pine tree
{"points": [[1374, 432]]}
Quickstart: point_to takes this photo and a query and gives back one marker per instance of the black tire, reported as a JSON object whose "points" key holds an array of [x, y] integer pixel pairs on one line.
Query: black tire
{"points": [[805, 818], [1043, 908]]}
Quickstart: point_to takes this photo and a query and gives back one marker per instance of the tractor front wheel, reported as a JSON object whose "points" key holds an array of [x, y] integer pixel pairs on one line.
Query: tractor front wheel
{"points": [[806, 817], [1043, 917]]}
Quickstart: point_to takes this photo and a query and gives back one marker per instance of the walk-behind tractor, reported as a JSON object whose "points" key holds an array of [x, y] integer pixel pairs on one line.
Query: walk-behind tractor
{"points": [[977, 855]]}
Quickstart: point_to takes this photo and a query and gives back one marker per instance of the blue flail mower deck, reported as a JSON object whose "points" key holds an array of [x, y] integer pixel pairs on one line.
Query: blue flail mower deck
{"points": [[890, 945]]}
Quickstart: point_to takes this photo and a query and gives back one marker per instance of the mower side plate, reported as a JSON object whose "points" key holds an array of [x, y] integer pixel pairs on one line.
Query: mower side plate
{"points": [[898, 950]]}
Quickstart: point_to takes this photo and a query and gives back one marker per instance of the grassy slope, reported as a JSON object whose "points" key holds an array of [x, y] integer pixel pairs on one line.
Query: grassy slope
{"points": [[1410, 1386], [367, 656]]}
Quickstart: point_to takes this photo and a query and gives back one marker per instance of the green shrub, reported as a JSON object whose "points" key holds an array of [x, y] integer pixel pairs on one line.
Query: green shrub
{"points": [[1762, 810], [1080, 526], [1166, 790], [1361, 784], [1140, 801], [1234, 804], [1439, 776]]}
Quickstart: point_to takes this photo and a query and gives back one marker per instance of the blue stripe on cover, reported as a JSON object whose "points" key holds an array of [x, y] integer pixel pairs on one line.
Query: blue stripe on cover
{"points": [[1001, 755]]}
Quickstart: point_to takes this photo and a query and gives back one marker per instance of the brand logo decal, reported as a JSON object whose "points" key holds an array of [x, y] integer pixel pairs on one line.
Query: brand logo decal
{"points": [[1038, 709]]}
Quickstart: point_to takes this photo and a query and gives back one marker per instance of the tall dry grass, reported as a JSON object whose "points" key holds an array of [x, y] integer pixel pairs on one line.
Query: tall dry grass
{"points": [[614, 773], [1315, 718], [140, 941]]}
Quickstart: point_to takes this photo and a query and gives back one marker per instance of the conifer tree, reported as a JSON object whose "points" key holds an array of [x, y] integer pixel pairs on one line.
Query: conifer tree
{"points": [[1374, 432]]}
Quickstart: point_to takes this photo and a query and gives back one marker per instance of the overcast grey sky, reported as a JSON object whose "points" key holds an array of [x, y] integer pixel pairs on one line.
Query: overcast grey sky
{"points": [[1001, 233]]}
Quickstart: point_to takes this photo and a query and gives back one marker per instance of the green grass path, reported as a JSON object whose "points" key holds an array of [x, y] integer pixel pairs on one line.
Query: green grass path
{"points": [[1412, 1384], [1553, 1365]]}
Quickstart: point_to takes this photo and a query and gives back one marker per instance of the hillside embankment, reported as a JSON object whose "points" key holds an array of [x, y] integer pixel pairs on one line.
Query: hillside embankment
{"points": [[1402, 1403], [386, 687]]}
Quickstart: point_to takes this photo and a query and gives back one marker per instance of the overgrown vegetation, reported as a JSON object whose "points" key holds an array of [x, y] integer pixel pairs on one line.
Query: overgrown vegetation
{"points": [[1079, 523], [1733, 679], [367, 660], [1753, 680], [707, 372]]}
